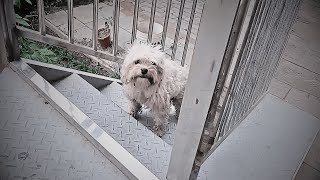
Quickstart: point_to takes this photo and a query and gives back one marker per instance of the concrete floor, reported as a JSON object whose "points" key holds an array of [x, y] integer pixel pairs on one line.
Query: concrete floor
{"points": [[297, 80]]}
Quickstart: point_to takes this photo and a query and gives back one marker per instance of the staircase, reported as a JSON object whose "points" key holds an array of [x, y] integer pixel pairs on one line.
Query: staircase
{"points": [[143, 144], [103, 102], [270, 143]]}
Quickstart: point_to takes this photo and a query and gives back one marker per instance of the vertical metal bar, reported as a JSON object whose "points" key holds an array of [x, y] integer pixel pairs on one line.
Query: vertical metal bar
{"points": [[151, 21], [186, 44], [176, 36], [42, 26], [165, 24], [95, 24], [135, 21], [70, 22], [116, 12]]}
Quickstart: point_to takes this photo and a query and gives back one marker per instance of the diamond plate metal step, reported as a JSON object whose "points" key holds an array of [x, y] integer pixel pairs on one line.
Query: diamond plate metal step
{"points": [[144, 145], [115, 93], [37, 142]]}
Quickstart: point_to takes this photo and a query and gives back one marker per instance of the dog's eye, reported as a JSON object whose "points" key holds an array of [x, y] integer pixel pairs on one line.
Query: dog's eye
{"points": [[153, 63], [137, 62]]}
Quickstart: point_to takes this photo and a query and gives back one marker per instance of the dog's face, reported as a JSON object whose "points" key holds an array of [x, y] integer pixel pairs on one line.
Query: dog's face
{"points": [[143, 66]]}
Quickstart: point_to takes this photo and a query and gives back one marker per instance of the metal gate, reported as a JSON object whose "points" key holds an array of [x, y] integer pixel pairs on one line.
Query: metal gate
{"points": [[224, 84], [257, 37]]}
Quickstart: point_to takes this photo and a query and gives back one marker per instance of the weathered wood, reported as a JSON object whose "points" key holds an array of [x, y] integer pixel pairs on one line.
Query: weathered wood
{"points": [[3, 52], [42, 26], [9, 17], [36, 36], [214, 32]]}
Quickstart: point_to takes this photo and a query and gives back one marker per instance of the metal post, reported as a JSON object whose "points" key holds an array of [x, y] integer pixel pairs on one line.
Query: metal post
{"points": [[70, 22], [185, 48], [202, 79], [151, 21], [42, 26], [116, 14], [165, 24], [95, 24], [135, 21], [176, 36]]}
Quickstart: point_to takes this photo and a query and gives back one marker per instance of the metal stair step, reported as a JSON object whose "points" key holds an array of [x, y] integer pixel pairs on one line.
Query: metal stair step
{"points": [[115, 93], [143, 144]]}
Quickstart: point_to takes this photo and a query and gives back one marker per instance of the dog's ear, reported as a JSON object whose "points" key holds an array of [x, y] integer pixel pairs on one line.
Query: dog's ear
{"points": [[160, 73], [123, 76]]}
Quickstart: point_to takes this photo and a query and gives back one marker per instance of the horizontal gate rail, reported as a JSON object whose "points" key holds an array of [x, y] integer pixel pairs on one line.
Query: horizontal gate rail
{"points": [[36, 36]]}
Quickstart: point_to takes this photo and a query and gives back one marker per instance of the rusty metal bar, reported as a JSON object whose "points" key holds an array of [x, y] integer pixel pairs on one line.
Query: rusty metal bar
{"points": [[135, 21], [70, 22], [95, 24], [176, 36], [116, 15], [151, 21], [165, 24], [186, 44]]}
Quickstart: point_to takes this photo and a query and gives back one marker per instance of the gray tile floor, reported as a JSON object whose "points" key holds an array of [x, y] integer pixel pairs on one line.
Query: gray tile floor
{"points": [[297, 80]]}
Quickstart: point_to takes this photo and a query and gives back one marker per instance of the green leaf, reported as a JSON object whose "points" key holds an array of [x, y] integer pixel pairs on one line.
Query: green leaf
{"points": [[29, 16], [29, 1], [20, 20], [46, 52], [33, 46], [17, 3], [26, 19], [36, 56]]}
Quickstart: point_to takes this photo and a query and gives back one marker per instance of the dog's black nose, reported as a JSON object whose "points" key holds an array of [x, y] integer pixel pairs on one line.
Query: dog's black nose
{"points": [[144, 71]]}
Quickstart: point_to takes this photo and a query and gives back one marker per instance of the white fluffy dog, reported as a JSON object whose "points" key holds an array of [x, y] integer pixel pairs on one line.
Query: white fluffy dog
{"points": [[150, 79]]}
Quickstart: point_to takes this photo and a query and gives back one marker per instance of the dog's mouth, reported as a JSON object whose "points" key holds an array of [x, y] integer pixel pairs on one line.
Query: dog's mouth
{"points": [[150, 79]]}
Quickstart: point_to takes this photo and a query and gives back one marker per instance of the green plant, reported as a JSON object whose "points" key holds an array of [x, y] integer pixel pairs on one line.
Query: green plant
{"points": [[24, 21], [54, 55], [18, 2]]}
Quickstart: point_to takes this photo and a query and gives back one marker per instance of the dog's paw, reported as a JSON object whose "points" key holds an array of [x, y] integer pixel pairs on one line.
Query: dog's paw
{"points": [[159, 129], [177, 116], [133, 114]]}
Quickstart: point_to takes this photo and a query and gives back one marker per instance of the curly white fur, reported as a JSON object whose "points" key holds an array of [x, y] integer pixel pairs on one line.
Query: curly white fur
{"points": [[161, 84]]}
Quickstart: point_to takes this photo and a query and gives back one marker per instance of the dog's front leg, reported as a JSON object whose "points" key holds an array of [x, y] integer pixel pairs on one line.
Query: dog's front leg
{"points": [[160, 117], [133, 107], [177, 105]]}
